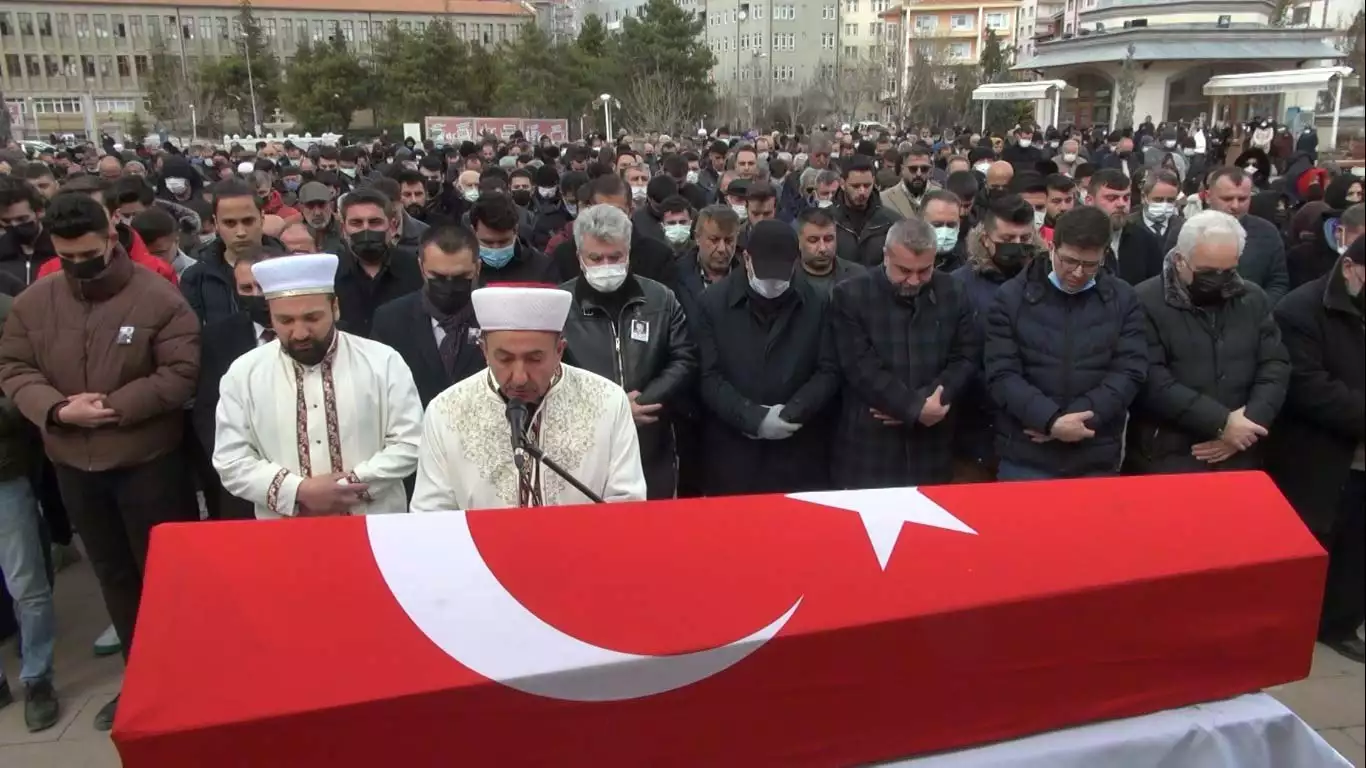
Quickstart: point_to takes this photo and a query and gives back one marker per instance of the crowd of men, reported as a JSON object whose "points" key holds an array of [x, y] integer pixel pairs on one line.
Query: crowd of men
{"points": [[781, 312]]}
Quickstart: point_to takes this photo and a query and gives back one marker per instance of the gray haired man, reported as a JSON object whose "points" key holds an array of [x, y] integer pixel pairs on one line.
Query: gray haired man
{"points": [[631, 330]]}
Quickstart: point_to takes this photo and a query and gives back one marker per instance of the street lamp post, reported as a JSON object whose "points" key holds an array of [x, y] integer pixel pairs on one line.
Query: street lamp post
{"points": [[607, 113], [251, 84], [741, 14], [194, 124]]}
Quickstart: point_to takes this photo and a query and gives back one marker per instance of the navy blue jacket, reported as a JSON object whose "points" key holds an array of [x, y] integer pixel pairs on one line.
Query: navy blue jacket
{"points": [[1049, 353]]}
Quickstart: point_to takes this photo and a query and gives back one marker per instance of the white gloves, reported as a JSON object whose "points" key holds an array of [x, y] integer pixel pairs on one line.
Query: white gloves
{"points": [[773, 427]]}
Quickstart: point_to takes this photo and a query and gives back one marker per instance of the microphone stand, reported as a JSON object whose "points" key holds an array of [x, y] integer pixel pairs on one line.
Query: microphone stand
{"points": [[536, 453]]}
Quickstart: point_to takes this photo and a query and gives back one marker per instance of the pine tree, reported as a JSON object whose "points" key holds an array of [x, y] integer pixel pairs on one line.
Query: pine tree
{"points": [[536, 81], [666, 41], [993, 58], [325, 85], [234, 82], [135, 132]]}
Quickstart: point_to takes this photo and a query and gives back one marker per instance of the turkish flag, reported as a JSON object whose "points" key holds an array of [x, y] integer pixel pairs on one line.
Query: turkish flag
{"points": [[807, 630]]}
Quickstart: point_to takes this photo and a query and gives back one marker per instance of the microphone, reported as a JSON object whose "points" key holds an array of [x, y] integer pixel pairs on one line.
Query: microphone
{"points": [[517, 415]]}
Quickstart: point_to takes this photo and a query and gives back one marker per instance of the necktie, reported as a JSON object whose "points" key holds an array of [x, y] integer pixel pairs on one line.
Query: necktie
{"points": [[1159, 230]]}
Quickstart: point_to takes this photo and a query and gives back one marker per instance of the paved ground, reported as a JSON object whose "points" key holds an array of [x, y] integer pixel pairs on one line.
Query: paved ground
{"points": [[1332, 700]]}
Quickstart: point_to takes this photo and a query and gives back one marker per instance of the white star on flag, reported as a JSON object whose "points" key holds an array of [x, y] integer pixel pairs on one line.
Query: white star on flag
{"points": [[884, 511]]}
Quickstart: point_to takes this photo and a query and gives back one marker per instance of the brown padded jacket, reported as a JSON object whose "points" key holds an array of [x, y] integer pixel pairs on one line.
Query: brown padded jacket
{"points": [[126, 334]]}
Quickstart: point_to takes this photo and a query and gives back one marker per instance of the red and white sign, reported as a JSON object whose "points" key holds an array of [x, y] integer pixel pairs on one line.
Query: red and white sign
{"points": [[453, 130], [806, 630]]}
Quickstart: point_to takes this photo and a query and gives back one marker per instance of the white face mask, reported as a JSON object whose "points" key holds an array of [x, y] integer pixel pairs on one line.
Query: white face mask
{"points": [[470, 193], [572, 209], [769, 289], [1026, 143], [349, 173], [677, 233], [605, 278], [177, 186], [981, 167], [824, 203], [1053, 144], [1169, 143], [1250, 167], [549, 193], [945, 238], [691, 178], [637, 193], [1188, 152], [740, 211], [1039, 218], [1069, 157], [1160, 212]]}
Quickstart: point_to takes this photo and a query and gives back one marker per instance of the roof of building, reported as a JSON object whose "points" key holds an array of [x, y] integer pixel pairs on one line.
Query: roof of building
{"points": [[1177, 42], [428, 7]]}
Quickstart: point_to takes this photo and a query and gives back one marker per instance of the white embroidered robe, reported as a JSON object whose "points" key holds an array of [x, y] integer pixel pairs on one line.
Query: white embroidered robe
{"points": [[279, 422], [585, 426]]}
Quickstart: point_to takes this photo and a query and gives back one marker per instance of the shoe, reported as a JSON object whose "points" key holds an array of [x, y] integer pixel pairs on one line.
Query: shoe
{"points": [[104, 719], [40, 706], [65, 555], [1350, 646], [6, 698], [107, 644]]}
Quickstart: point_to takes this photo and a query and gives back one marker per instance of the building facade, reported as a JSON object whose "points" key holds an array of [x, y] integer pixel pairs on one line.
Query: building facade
{"points": [[1176, 47], [75, 67]]}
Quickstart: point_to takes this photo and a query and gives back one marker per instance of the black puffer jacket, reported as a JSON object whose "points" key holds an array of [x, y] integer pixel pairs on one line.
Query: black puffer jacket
{"points": [[1048, 353], [1203, 364], [208, 285], [645, 349]]}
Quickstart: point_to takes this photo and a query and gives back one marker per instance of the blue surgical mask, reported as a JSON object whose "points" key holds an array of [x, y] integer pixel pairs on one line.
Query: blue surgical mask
{"points": [[497, 258], [946, 238], [292, 185]]}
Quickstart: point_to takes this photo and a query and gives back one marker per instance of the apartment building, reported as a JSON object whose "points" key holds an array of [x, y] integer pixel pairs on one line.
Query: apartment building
{"points": [[76, 66]]}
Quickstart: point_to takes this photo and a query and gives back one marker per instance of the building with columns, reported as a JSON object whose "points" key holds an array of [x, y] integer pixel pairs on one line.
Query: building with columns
{"points": [[1177, 46]]}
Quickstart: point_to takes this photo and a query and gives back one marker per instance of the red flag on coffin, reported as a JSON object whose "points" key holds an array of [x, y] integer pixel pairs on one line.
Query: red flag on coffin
{"points": [[733, 631]]}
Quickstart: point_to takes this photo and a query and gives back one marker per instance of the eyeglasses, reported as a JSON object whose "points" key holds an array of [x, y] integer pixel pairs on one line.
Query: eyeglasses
{"points": [[920, 169], [1070, 264]]}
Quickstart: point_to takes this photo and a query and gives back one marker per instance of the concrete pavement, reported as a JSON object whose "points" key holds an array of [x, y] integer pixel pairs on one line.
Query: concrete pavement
{"points": [[1332, 700]]}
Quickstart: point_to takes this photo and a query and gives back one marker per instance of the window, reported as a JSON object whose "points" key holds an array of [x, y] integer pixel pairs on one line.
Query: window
{"points": [[302, 30], [1298, 16], [851, 30], [106, 66], [784, 12], [220, 24], [236, 28], [420, 26], [45, 24], [123, 66], [876, 30], [82, 25], [997, 20], [88, 66], [5, 29], [12, 66], [64, 25], [101, 26], [363, 31], [851, 52], [153, 28], [173, 27], [57, 106], [270, 29], [318, 30], [960, 51], [52, 65], [71, 66], [828, 41], [828, 13], [140, 65], [851, 6], [785, 73], [879, 6], [348, 31], [26, 25], [926, 23], [960, 21], [205, 31], [121, 106], [744, 42], [406, 26]]}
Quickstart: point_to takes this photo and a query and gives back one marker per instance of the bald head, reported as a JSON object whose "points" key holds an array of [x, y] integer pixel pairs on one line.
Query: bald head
{"points": [[999, 174]]}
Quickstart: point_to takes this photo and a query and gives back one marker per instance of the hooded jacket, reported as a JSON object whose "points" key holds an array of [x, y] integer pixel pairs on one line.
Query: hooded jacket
{"points": [[864, 246]]}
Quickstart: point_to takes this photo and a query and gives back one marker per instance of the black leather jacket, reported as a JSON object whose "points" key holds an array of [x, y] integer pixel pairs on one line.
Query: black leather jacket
{"points": [[645, 349]]}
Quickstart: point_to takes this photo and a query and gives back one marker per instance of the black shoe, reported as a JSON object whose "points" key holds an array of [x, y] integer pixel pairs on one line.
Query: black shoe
{"points": [[40, 706], [1350, 646], [104, 719], [6, 698]]}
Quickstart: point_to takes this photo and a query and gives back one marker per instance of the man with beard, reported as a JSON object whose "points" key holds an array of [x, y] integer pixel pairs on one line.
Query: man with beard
{"points": [[1134, 253], [1263, 258], [860, 217], [318, 421], [579, 419], [374, 269], [998, 248], [819, 266], [317, 202], [907, 197], [907, 347], [208, 284], [434, 329], [410, 230]]}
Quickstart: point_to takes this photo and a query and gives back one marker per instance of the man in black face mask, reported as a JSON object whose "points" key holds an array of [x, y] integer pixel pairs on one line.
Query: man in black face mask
{"points": [[434, 329], [521, 188], [410, 228], [998, 249], [1207, 402], [224, 341], [374, 269], [24, 244]]}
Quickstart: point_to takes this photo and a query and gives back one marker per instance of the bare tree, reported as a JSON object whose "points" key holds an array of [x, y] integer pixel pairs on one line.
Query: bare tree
{"points": [[653, 103], [5, 127], [1127, 84]]}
